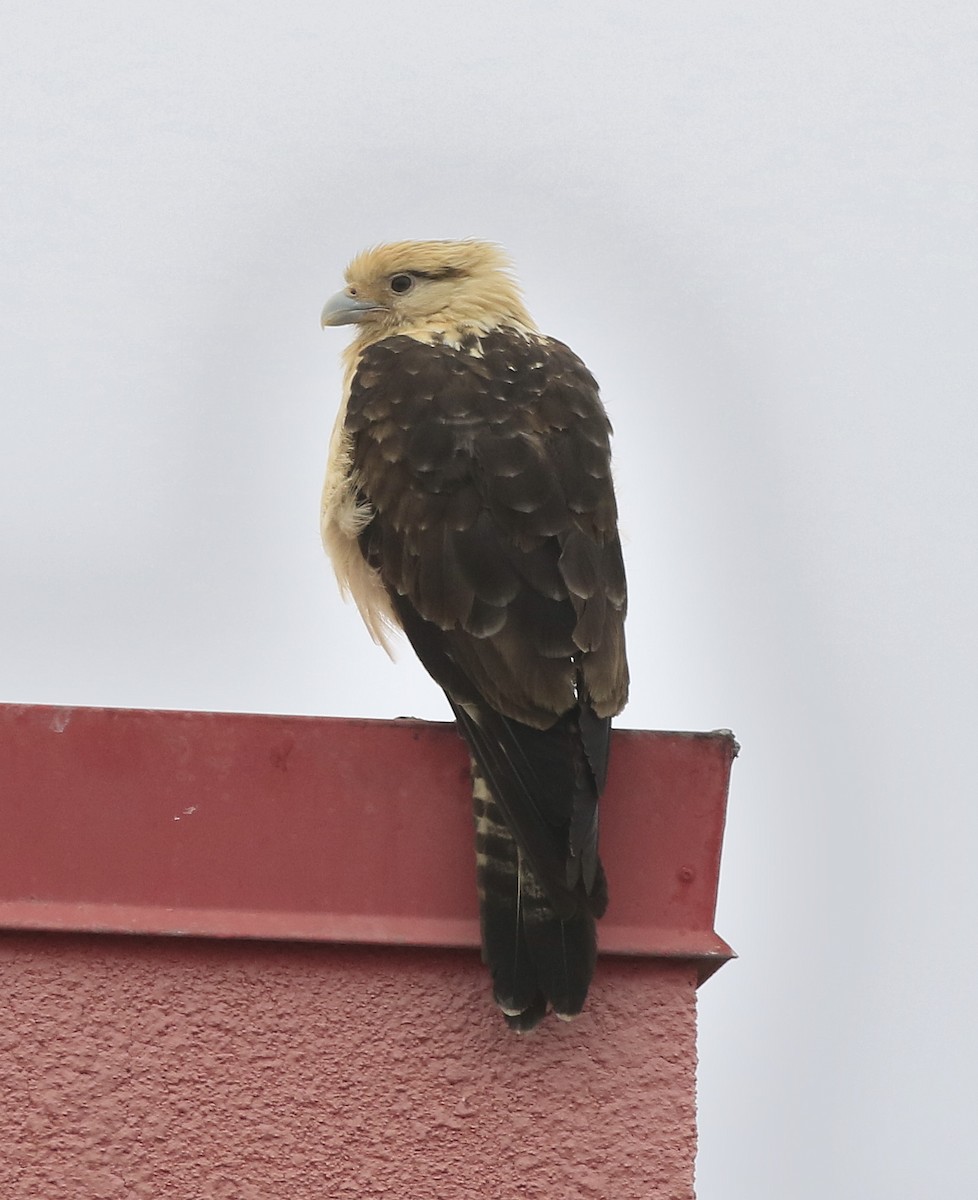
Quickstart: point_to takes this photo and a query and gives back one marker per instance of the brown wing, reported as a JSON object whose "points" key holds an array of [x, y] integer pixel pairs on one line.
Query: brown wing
{"points": [[490, 478], [494, 531]]}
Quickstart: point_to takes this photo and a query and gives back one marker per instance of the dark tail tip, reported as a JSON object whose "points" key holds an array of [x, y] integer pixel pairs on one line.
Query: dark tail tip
{"points": [[563, 952], [530, 1017], [537, 959]]}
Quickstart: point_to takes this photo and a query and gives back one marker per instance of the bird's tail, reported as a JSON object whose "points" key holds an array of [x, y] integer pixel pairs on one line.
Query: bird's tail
{"points": [[537, 959]]}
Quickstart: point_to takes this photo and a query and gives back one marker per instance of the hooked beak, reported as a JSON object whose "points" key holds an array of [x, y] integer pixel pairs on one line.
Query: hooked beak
{"points": [[344, 309]]}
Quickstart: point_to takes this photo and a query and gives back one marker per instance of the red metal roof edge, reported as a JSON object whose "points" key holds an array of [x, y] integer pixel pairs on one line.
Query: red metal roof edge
{"points": [[8, 708], [708, 951], [304, 828]]}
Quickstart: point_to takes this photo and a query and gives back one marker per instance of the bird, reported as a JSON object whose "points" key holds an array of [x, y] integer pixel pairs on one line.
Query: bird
{"points": [[469, 504]]}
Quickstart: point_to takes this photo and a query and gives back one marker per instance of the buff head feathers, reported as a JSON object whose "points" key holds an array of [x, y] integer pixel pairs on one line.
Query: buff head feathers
{"points": [[423, 288]]}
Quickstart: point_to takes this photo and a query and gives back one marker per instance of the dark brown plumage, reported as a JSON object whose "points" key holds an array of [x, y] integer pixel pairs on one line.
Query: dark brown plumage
{"points": [[471, 472]]}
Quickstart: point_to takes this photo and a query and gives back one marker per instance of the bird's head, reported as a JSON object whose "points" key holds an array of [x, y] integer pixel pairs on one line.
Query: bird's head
{"points": [[428, 287]]}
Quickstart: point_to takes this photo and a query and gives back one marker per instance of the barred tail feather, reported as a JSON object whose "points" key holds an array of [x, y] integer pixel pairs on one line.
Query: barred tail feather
{"points": [[504, 948], [537, 959]]}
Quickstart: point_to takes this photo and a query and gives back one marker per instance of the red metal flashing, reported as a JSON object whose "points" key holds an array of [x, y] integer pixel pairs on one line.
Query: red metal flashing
{"points": [[240, 825]]}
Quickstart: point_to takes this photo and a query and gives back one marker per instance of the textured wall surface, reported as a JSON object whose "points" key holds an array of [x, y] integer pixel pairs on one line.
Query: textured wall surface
{"points": [[140, 1067]]}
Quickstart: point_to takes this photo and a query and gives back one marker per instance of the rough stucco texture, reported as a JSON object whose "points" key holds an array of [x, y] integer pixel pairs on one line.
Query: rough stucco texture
{"points": [[139, 1067]]}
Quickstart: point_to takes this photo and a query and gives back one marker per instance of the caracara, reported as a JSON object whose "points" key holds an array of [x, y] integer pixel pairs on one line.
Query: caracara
{"points": [[469, 503]]}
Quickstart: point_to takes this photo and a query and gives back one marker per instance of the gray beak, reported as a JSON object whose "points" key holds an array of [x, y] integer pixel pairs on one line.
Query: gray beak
{"points": [[344, 309]]}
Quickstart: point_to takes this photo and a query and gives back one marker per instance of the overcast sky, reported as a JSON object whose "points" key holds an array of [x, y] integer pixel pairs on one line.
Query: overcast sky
{"points": [[757, 224]]}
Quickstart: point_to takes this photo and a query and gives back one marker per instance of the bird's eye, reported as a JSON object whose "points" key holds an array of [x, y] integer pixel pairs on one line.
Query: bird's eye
{"points": [[401, 283]]}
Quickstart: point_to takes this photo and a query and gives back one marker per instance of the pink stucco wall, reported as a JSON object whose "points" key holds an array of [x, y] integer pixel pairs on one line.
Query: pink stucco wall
{"points": [[234, 1070]]}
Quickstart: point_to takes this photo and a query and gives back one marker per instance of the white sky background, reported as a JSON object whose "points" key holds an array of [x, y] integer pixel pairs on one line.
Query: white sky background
{"points": [[757, 224]]}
